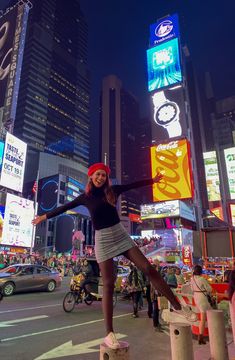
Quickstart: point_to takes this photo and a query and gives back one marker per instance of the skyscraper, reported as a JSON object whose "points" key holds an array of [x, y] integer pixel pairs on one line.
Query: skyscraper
{"points": [[53, 103], [120, 139]]}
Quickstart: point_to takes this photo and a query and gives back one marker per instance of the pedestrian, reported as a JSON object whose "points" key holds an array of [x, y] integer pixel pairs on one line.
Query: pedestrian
{"points": [[135, 285], [179, 277], [154, 294], [201, 288], [111, 239]]}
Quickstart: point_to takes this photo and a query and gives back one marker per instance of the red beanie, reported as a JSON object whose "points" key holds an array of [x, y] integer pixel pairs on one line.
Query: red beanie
{"points": [[98, 166]]}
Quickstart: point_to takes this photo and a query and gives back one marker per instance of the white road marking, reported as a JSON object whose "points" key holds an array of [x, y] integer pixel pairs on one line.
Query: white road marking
{"points": [[29, 308], [68, 349], [11, 322], [59, 329]]}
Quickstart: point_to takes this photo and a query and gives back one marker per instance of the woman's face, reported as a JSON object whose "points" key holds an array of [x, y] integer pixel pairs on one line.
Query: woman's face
{"points": [[98, 178]]}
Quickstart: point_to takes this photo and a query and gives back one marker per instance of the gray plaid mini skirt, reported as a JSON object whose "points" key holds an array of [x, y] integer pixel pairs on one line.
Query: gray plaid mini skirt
{"points": [[111, 242]]}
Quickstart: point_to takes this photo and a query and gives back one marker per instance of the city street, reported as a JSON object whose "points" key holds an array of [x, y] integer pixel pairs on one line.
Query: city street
{"points": [[34, 327]]}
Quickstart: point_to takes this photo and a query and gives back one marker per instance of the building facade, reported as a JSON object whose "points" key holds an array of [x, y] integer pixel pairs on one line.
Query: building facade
{"points": [[53, 102]]}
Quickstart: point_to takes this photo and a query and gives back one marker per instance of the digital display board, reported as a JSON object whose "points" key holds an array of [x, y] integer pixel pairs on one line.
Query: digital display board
{"points": [[1, 154], [164, 67], [48, 198], [160, 210], [165, 29], [73, 189], [173, 161], [169, 115], [167, 238], [13, 32], [232, 213], [18, 228], [13, 164], [212, 176], [229, 155]]}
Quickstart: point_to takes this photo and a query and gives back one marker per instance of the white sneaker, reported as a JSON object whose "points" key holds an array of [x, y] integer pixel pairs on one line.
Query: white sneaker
{"points": [[187, 313], [111, 341]]}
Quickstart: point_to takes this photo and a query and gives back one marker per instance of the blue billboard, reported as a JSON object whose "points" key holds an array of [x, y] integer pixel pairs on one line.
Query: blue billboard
{"points": [[164, 30], [164, 67]]}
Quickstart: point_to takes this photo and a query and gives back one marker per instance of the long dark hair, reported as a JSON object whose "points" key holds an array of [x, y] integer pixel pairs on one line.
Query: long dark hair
{"points": [[108, 191], [231, 286]]}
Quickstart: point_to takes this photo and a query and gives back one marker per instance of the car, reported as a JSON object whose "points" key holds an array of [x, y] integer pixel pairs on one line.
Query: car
{"points": [[26, 277]]}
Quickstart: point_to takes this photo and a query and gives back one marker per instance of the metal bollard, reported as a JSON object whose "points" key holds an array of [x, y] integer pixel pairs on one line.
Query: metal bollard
{"points": [[232, 317], [181, 341], [217, 335], [122, 353]]}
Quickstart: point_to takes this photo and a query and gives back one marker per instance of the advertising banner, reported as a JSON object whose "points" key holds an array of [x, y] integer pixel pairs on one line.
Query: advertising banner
{"points": [[11, 57], [169, 116], [18, 228], [212, 176], [218, 212], [187, 256], [173, 161], [159, 210], [164, 66], [163, 30], [13, 164], [7, 27], [232, 213], [229, 155]]}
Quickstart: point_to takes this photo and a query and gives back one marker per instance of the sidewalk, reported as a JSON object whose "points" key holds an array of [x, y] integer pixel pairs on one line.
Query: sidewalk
{"points": [[203, 352]]}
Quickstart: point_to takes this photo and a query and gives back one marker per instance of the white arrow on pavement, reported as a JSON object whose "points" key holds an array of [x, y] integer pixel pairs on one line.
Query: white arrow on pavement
{"points": [[68, 349], [12, 322]]}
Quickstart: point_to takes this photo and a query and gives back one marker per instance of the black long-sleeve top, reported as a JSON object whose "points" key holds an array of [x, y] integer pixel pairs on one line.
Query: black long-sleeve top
{"points": [[103, 214]]}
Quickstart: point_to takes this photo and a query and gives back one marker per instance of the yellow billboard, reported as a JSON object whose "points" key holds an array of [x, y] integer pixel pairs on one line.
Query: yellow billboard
{"points": [[173, 161]]}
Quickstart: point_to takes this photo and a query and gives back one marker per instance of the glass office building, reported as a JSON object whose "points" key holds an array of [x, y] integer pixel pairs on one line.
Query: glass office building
{"points": [[53, 103]]}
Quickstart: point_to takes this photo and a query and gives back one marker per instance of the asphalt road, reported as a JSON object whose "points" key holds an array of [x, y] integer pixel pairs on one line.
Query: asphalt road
{"points": [[34, 326]]}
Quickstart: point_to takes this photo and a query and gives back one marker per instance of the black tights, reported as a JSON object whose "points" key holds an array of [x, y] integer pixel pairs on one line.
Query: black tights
{"points": [[108, 277]]}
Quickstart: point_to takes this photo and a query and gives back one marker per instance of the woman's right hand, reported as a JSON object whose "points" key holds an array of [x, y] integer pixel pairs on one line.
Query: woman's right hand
{"points": [[38, 219]]}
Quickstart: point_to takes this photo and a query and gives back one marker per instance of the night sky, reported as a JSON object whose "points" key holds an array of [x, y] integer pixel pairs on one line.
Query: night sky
{"points": [[119, 35]]}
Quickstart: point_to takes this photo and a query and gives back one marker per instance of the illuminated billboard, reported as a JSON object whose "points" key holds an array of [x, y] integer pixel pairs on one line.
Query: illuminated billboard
{"points": [[13, 163], [160, 210], [13, 31], [163, 63], [229, 155], [169, 116], [232, 213], [212, 176], [218, 212], [165, 29], [173, 161], [18, 228], [1, 154]]}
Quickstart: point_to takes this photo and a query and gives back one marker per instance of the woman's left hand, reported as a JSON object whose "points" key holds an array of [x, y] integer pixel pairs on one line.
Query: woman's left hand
{"points": [[158, 177]]}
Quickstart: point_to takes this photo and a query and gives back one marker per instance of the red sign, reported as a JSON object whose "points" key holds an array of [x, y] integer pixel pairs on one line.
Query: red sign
{"points": [[187, 255], [134, 218]]}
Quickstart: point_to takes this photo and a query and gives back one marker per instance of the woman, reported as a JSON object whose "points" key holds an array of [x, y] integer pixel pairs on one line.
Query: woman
{"points": [[200, 288], [111, 239]]}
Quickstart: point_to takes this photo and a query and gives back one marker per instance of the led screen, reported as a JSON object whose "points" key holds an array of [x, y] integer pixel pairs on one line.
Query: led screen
{"points": [[160, 210], [169, 117], [13, 164], [165, 29], [18, 228], [229, 155], [163, 62], [173, 161], [212, 176], [232, 213]]}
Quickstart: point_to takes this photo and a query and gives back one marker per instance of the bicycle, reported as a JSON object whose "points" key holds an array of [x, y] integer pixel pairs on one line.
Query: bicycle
{"points": [[78, 294]]}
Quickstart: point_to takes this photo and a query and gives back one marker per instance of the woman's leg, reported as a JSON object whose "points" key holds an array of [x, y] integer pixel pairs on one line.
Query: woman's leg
{"points": [[107, 272], [136, 256]]}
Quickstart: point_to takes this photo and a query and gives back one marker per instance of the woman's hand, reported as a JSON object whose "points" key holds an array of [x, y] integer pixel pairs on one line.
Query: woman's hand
{"points": [[38, 219], [158, 177]]}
